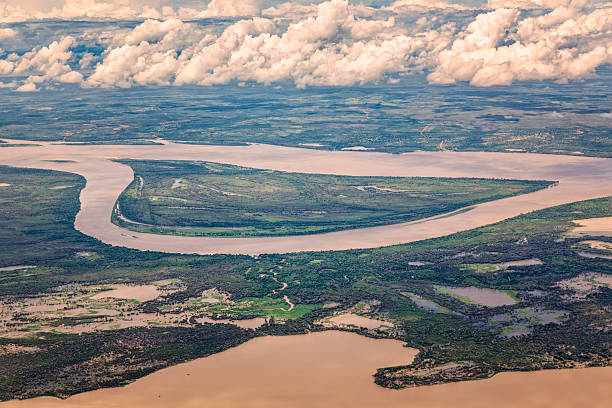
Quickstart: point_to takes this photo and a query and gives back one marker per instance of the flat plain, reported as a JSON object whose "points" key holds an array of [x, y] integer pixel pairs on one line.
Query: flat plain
{"points": [[212, 199]]}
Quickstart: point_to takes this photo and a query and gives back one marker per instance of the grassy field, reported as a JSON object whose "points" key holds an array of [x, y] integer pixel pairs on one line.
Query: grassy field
{"points": [[202, 198], [43, 260]]}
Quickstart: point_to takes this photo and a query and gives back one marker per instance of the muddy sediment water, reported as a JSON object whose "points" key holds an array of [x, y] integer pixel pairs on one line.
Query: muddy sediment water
{"points": [[594, 255], [579, 179], [331, 369], [16, 268], [593, 226], [523, 262], [327, 369], [243, 323], [141, 293]]}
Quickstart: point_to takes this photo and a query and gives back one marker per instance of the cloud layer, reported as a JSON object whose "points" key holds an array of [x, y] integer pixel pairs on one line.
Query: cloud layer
{"points": [[14, 11], [336, 44], [499, 47]]}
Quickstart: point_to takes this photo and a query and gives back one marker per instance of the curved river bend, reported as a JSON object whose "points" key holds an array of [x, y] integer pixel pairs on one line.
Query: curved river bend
{"points": [[579, 178]]}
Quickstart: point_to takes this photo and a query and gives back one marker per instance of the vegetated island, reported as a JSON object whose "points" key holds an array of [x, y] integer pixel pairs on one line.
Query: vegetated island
{"points": [[212, 199]]}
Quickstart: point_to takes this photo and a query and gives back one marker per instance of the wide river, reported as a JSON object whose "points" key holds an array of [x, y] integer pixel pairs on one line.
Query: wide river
{"points": [[579, 178], [331, 370]]}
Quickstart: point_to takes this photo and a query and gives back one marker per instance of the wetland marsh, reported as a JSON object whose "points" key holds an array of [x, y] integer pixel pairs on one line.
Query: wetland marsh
{"points": [[213, 303], [271, 203]]}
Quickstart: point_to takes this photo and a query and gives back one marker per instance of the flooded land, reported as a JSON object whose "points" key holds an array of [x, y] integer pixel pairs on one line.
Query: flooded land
{"points": [[76, 309], [353, 320], [503, 266], [480, 296], [335, 370], [494, 299], [141, 293], [522, 321], [601, 245], [585, 284], [426, 303], [593, 226]]}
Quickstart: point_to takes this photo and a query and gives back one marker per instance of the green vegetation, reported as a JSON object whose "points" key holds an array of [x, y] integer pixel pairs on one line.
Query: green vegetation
{"points": [[576, 140], [119, 142], [61, 161], [265, 306], [399, 134], [247, 307], [480, 268], [461, 341], [107, 359], [202, 198], [4, 144]]}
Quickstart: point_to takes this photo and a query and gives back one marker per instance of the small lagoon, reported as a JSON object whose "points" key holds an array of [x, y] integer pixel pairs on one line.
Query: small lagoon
{"points": [[479, 296]]}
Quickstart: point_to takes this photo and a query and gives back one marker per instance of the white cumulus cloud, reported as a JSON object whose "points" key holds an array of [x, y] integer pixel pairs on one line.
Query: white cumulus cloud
{"points": [[334, 43], [13, 11], [499, 48], [333, 47], [27, 87], [43, 64]]}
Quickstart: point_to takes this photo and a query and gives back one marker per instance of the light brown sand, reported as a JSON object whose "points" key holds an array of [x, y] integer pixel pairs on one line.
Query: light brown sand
{"points": [[350, 319], [606, 246], [330, 370], [605, 280], [16, 268], [523, 262]]}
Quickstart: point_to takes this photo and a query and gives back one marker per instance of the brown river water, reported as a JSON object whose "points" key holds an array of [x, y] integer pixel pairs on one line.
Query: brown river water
{"points": [[331, 369], [579, 178]]}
